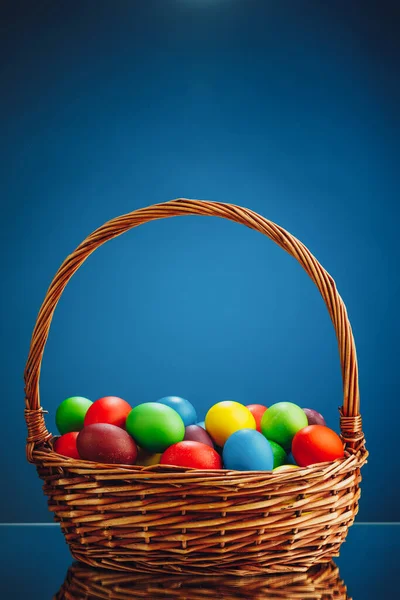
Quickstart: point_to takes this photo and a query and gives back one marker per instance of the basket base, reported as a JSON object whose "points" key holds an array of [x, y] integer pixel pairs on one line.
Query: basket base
{"points": [[214, 568], [230, 523]]}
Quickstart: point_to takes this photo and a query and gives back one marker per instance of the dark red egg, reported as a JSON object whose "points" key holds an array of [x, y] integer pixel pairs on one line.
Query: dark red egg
{"points": [[105, 443], [191, 454], [66, 445], [195, 433], [110, 409], [314, 417], [257, 410]]}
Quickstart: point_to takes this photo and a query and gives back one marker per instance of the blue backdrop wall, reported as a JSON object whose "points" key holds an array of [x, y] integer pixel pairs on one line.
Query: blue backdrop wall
{"points": [[289, 108]]}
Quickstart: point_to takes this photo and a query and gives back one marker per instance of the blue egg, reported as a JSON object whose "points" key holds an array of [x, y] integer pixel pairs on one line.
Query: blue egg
{"points": [[201, 424], [290, 460], [183, 407], [247, 450]]}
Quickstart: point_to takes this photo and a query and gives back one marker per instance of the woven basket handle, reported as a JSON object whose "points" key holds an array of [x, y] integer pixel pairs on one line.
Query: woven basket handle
{"points": [[350, 420]]}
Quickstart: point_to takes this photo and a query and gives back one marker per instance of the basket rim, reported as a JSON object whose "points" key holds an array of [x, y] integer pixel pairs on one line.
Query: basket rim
{"points": [[46, 456]]}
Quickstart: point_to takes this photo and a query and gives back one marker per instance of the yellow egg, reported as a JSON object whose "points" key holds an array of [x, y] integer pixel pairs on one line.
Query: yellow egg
{"points": [[146, 459], [286, 468], [225, 418]]}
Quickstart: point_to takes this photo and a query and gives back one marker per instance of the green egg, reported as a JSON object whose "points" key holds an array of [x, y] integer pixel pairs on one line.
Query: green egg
{"points": [[282, 421], [155, 426], [71, 414], [278, 453]]}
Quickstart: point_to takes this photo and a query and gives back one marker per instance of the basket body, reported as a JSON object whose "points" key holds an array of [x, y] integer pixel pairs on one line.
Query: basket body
{"points": [[168, 520], [322, 582], [165, 519]]}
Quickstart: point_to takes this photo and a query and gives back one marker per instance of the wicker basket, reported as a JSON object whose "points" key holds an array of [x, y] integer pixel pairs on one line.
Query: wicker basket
{"points": [[173, 519], [321, 582]]}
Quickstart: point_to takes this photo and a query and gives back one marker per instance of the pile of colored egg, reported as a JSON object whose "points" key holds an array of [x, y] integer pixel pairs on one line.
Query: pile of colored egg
{"points": [[167, 432]]}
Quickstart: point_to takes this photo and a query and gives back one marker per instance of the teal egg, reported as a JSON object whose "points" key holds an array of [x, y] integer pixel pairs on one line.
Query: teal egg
{"points": [[290, 459], [247, 450], [183, 407]]}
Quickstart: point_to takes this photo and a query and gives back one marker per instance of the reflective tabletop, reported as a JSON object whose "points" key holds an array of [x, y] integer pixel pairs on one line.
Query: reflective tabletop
{"points": [[36, 564]]}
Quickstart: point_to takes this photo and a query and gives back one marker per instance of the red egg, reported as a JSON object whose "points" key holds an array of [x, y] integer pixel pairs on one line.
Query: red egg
{"points": [[191, 454], [316, 444], [105, 443], [110, 409], [66, 445], [257, 410]]}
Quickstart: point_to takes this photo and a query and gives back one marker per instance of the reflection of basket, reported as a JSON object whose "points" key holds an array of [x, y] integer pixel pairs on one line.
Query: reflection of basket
{"points": [[321, 582], [168, 519]]}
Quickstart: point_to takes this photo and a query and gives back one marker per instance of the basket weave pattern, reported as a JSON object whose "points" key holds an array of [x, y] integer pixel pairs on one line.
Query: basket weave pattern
{"points": [[170, 519]]}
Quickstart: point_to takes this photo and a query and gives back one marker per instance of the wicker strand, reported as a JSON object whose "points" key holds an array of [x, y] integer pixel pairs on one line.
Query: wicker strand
{"points": [[351, 428], [37, 432]]}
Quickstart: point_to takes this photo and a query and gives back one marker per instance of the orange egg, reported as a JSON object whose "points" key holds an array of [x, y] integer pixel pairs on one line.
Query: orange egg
{"points": [[257, 410], [316, 444]]}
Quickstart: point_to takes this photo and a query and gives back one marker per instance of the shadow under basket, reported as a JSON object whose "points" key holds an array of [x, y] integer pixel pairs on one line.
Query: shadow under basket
{"points": [[322, 582], [169, 519]]}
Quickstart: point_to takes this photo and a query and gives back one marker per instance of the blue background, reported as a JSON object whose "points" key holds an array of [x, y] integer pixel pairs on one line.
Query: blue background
{"points": [[289, 108]]}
